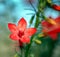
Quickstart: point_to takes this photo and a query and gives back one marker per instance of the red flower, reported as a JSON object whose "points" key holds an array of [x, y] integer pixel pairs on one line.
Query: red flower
{"points": [[20, 32], [56, 7], [50, 29]]}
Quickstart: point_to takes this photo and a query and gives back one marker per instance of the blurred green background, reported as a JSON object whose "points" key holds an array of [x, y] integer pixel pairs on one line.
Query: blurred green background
{"points": [[12, 11]]}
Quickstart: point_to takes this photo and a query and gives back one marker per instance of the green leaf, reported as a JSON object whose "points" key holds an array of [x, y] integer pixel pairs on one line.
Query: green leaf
{"points": [[37, 22], [32, 18]]}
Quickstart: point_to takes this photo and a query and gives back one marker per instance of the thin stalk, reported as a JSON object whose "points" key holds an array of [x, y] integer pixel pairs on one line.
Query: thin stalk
{"points": [[32, 6], [17, 53], [21, 52], [28, 47]]}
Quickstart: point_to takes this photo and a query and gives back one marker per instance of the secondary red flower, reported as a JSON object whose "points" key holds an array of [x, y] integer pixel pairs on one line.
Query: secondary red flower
{"points": [[50, 29], [56, 7], [20, 32]]}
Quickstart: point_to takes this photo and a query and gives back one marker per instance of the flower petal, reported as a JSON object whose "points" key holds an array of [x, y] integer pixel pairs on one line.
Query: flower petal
{"points": [[12, 27], [58, 20], [53, 36], [14, 37], [30, 31], [54, 30], [22, 24], [51, 21], [46, 25], [25, 39], [44, 30]]}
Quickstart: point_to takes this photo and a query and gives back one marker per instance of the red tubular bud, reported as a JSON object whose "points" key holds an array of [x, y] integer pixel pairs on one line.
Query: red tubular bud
{"points": [[56, 7]]}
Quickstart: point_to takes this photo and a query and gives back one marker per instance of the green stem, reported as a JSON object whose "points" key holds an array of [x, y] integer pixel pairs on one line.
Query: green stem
{"points": [[52, 48], [28, 47], [21, 52]]}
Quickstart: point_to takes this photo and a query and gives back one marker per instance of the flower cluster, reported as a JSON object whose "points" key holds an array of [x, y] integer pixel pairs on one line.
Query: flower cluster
{"points": [[50, 26], [26, 36]]}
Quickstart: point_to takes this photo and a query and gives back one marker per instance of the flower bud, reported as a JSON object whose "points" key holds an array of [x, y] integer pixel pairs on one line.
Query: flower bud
{"points": [[41, 35], [49, 1], [37, 41], [56, 7], [51, 21]]}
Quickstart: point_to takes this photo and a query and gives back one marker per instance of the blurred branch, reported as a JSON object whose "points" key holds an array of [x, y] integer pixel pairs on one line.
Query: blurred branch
{"points": [[32, 6]]}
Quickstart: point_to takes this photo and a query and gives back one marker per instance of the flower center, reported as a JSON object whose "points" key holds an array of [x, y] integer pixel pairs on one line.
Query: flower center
{"points": [[20, 34]]}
